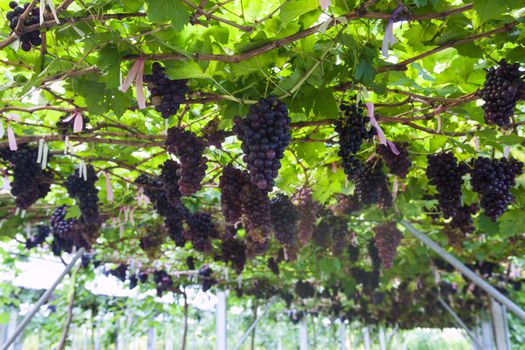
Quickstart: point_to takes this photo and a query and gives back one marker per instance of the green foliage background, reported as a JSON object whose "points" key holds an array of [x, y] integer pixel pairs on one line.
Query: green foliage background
{"points": [[235, 52]]}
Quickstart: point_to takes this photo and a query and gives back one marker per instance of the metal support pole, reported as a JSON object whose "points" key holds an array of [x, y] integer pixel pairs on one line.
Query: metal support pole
{"points": [[42, 300], [250, 329], [487, 335], [460, 323], [493, 292], [366, 338], [221, 343], [303, 335], [499, 321], [382, 339], [342, 335]]}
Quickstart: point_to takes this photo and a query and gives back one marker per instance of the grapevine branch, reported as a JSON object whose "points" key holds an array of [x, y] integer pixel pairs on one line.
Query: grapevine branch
{"points": [[453, 43], [294, 37]]}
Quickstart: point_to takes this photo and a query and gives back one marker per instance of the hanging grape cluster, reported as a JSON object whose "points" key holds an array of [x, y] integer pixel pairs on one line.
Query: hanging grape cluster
{"points": [[120, 272], [304, 289], [83, 188], [200, 230], [353, 252], [493, 179], [308, 209], [151, 241], [163, 282], [66, 232], [373, 253], [444, 172], [265, 134], [166, 95], [463, 218], [234, 252], [189, 149], [42, 233], [397, 164], [231, 184], [170, 181], [257, 218], [284, 219], [346, 204], [174, 215], [30, 182], [352, 130], [213, 135], [29, 39], [371, 185], [273, 265], [503, 87], [387, 238], [337, 231], [205, 274]]}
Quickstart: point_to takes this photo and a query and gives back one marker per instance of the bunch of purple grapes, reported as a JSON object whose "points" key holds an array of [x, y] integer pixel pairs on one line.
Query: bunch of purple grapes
{"points": [[30, 182], [265, 134], [166, 95], [444, 172], [284, 219], [387, 238], [503, 87], [189, 149], [29, 39], [493, 179]]}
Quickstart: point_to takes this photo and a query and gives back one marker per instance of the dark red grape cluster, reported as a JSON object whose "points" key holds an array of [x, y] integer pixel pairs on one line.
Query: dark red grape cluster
{"points": [[371, 185], [463, 218], [170, 181], [30, 182], [151, 240], [397, 164], [346, 205], [321, 234], [166, 95], [265, 134], [373, 253], [163, 282], [120, 272], [368, 279], [163, 195], [213, 135], [503, 87], [234, 252], [85, 191], [31, 38], [387, 238], [284, 219], [231, 184], [444, 172], [308, 210], [190, 262], [189, 149], [200, 230], [66, 232], [257, 218], [254, 248], [493, 180], [205, 274], [352, 130], [304, 289], [353, 252], [40, 237], [273, 265]]}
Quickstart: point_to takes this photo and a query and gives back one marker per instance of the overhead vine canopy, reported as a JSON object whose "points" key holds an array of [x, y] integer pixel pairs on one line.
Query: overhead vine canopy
{"points": [[276, 140]]}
